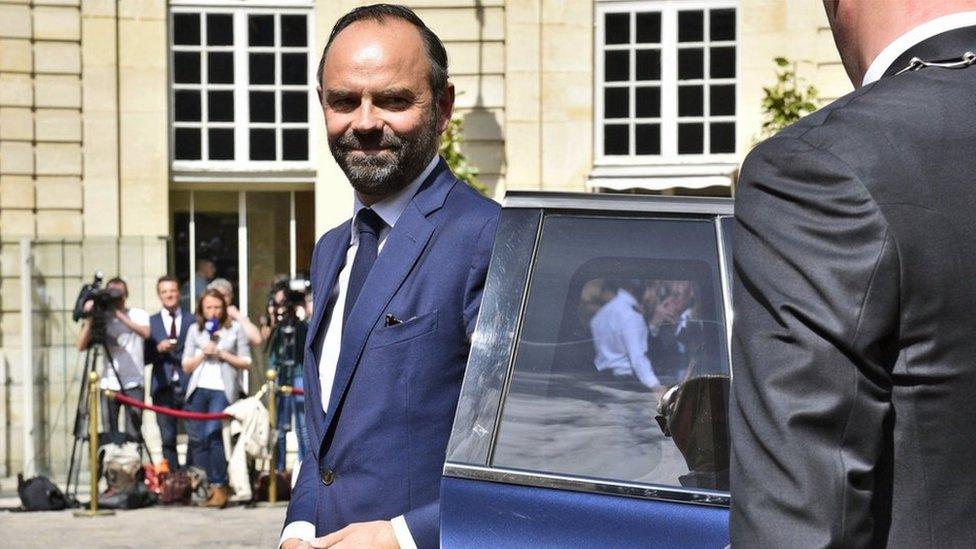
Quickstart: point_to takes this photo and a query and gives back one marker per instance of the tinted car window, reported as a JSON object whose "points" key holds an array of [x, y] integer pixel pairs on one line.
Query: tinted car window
{"points": [[619, 312]]}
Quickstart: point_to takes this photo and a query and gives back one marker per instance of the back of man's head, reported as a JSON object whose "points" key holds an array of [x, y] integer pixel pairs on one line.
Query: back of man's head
{"points": [[380, 13]]}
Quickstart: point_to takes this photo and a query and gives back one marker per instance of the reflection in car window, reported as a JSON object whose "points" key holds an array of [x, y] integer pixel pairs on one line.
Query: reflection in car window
{"points": [[621, 369]]}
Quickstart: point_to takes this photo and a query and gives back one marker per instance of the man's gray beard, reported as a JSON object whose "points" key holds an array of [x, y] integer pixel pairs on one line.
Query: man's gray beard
{"points": [[374, 175]]}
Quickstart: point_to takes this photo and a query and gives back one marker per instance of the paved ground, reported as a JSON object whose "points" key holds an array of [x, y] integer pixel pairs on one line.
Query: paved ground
{"points": [[151, 527]]}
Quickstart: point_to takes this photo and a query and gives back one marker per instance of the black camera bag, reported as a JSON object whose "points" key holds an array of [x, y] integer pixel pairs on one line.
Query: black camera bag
{"points": [[40, 494]]}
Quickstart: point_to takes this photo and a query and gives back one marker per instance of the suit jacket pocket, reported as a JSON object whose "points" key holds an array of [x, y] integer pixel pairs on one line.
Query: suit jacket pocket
{"points": [[407, 330]]}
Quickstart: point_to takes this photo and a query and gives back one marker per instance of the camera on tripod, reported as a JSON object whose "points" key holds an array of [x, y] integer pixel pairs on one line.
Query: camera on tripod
{"points": [[286, 311], [104, 302]]}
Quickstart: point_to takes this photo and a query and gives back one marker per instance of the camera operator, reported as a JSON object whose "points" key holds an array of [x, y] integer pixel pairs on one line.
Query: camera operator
{"points": [[125, 332], [286, 343]]}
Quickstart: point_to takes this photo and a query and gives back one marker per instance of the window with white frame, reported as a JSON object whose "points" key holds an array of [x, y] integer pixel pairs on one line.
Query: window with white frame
{"points": [[665, 81], [241, 88]]}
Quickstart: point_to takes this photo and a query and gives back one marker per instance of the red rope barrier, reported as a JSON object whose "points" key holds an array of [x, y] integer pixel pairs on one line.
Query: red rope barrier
{"points": [[197, 416], [289, 390]]}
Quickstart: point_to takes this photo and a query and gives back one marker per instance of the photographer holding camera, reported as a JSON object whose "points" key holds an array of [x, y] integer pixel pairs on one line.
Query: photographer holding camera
{"points": [[286, 355], [125, 332]]}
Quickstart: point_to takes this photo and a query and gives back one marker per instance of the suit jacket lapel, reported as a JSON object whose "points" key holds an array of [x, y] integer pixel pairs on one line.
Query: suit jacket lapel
{"points": [[327, 271]]}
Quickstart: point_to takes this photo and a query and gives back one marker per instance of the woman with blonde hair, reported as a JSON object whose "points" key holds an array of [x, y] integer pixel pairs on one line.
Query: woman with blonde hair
{"points": [[215, 353]]}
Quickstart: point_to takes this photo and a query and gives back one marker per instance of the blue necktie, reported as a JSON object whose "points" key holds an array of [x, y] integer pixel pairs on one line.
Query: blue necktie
{"points": [[369, 225]]}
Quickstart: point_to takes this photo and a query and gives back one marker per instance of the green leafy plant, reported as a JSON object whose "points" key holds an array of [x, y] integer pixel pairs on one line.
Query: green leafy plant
{"points": [[451, 141], [785, 102]]}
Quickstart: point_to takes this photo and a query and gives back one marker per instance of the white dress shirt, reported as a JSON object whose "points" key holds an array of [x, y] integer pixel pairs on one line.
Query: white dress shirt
{"points": [[620, 337], [170, 318], [915, 36], [327, 357]]}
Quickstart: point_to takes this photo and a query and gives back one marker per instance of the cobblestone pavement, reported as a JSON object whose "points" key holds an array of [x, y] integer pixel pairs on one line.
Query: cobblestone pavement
{"points": [[150, 527]]}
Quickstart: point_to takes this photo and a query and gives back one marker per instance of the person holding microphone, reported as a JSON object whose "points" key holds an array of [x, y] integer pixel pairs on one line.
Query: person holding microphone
{"points": [[216, 350]]}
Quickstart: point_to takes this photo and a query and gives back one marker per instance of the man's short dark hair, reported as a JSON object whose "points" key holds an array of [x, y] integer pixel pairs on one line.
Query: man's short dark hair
{"points": [[436, 54], [118, 280], [167, 278]]}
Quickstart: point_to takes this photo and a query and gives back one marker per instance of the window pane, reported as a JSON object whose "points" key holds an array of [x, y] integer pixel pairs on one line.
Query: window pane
{"points": [[220, 106], [691, 138], [293, 30], [616, 66], [260, 30], [649, 27], [721, 100], [647, 139], [186, 29], [648, 64], [221, 143], [616, 102], [294, 107], [220, 29], [263, 144], [616, 139], [220, 67], [575, 405], [690, 26], [722, 137], [262, 108], [722, 24], [294, 68], [618, 28], [294, 144], [722, 63], [690, 101], [187, 144], [691, 64], [186, 106], [262, 67], [648, 102], [186, 67]]}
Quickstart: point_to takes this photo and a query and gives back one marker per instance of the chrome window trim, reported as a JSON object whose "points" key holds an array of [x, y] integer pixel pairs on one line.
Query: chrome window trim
{"points": [[586, 485], [723, 268], [619, 203]]}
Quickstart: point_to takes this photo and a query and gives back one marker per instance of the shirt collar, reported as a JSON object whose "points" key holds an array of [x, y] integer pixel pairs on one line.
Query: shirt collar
{"points": [[166, 314], [390, 208], [624, 295], [913, 37]]}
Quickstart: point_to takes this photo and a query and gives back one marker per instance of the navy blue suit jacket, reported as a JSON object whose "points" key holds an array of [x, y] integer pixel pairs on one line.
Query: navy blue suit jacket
{"points": [[164, 364], [379, 451]]}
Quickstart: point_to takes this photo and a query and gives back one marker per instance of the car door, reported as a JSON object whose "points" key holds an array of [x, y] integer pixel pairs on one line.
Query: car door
{"points": [[560, 438]]}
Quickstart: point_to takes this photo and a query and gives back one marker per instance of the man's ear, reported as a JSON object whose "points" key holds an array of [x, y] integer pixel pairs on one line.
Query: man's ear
{"points": [[318, 90], [445, 107]]}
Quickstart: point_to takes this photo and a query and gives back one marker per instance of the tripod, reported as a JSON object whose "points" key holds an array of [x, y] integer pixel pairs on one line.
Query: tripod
{"points": [[97, 349]]}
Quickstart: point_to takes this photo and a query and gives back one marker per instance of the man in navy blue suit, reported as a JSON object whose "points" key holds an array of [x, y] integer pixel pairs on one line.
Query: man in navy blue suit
{"points": [[164, 349], [397, 291]]}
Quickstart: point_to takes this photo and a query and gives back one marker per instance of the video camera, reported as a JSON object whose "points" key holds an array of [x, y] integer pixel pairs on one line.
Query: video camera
{"points": [[295, 292], [104, 301]]}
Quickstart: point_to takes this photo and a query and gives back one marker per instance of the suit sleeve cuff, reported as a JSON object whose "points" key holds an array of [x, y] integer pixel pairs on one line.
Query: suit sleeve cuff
{"points": [[300, 529], [402, 533]]}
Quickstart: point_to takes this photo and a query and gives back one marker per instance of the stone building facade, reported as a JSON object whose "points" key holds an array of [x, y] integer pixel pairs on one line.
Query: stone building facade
{"points": [[119, 150]]}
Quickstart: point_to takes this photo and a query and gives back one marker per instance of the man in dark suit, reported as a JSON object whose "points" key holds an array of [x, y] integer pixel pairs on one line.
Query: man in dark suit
{"points": [[855, 339], [164, 350], [397, 291]]}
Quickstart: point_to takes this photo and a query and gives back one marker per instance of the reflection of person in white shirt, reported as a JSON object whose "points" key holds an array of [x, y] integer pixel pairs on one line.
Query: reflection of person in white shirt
{"points": [[620, 337]]}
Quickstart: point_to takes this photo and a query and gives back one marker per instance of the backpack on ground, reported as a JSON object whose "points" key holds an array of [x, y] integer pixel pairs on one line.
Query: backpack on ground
{"points": [[40, 494]]}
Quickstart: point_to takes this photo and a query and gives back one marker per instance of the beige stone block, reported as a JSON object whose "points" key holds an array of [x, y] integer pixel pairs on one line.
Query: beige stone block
{"points": [[101, 207], [16, 191], [58, 223], [57, 91], [101, 153], [522, 47], [10, 294], [416, 4], [487, 156], [9, 257], [525, 86], [16, 158], [58, 125], [58, 192], [479, 91], [15, 21], [483, 124], [522, 154], [465, 24], [17, 223], [57, 58], [58, 159], [143, 9], [15, 55], [16, 123], [60, 258], [561, 49], [98, 8], [99, 253], [57, 23], [475, 57], [16, 90]]}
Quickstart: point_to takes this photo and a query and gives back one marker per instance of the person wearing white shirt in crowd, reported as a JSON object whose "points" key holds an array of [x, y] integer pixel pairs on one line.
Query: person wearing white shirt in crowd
{"points": [[214, 354], [125, 332]]}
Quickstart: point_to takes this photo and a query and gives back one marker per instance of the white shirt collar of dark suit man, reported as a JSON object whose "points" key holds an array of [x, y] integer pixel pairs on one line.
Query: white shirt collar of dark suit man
{"points": [[915, 36]]}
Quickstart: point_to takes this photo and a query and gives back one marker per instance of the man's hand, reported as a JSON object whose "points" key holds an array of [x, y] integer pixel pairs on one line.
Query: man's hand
{"points": [[210, 351], [165, 346], [233, 312], [375, 535], [295, 543]]}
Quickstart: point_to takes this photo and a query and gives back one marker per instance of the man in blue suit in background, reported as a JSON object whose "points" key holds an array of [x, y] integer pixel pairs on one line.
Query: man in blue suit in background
{"points": [[397, 291], [164, 350]]}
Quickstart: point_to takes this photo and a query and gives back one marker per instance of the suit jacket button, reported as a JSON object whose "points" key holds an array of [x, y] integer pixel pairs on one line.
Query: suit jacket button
{"points": [[328, 477]]}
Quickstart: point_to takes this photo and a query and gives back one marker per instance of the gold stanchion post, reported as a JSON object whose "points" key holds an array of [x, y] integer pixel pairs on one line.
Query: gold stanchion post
{"points": [[271, 375], [93, 510]]}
